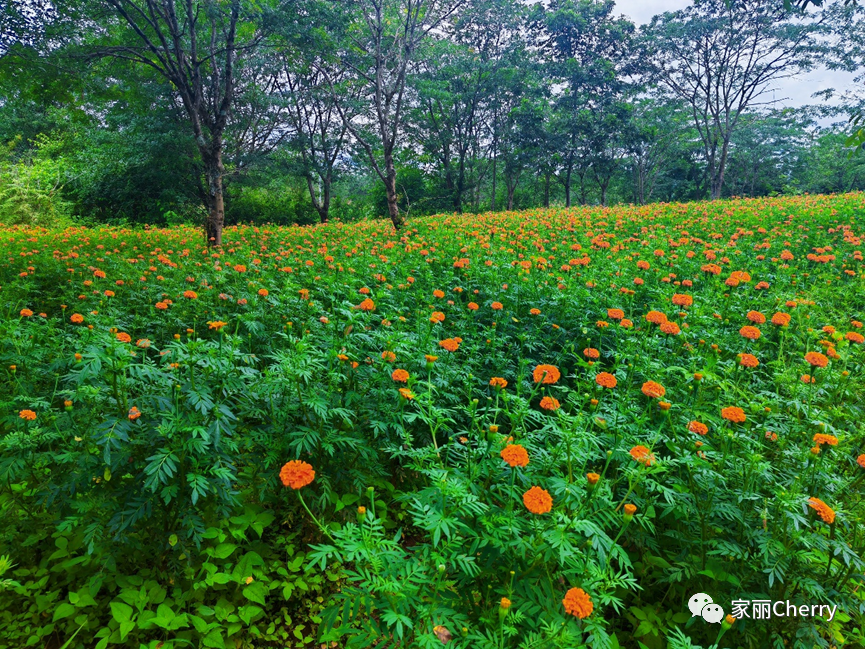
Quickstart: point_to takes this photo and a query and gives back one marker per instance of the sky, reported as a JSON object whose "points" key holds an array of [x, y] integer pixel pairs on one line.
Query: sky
{"points": [[795, 91]]}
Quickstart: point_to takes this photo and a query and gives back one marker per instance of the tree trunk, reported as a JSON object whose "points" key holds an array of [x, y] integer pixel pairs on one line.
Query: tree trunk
{"points": [[511, 189], [493, 201], [568, 185], [321, 206], [393, 199], [213, 172]]}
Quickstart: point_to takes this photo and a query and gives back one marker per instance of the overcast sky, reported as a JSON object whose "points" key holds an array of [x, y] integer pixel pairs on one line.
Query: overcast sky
{"points": [[797, 90]]}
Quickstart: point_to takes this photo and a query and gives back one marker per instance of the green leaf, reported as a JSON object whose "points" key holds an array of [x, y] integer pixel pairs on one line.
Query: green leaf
{"points": [[249, 613], [120, 611], [219, 578], [63, 610], [245, 566], [199, 624], [256, 592], [214, 639], [126, 628], [222, 551]]}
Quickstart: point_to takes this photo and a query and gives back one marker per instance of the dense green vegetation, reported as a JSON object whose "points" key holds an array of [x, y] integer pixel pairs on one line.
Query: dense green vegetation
{"points": [[684, 382]]}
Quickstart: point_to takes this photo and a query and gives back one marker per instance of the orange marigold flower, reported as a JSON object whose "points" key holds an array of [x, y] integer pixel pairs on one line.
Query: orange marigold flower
{"points": [[861, 461], [756, 317], [263, 292], [854, 337], [437, 316], [606, 380], [27, 415], [498, 382], [670, 328], [124, 337], [615, 314], [216, 324], [748, 360], [816, 359], [296, 474], [591, 352], [653, 390], [405, 393], [807, 378], [439, 293], [535, 311], [497, 306], [665, 405], [26, 313], [538, 501], [823, 438], [578, 603], [190, 295], [751, 333], [550, 403], [388, 356], [781, 319], [656, 317], [77, 318], [823, 510], [630, 509], [401, 376], [134, 413], [473, 306], [682, 299], [505, 603], [515, 455], [698, 427], [734, 414], [546, 374], [162, 306], [240, 268], [144, 343], [592, 478], [642, 455], [449, 344], [430, 358], [366, 305]]}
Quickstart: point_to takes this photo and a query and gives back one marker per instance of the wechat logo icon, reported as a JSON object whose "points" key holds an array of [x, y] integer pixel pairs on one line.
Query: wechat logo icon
{"points": [[701, 604]]}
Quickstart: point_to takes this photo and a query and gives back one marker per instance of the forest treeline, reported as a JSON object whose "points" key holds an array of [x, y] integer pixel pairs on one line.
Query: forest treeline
{"points": [[299, 111]]}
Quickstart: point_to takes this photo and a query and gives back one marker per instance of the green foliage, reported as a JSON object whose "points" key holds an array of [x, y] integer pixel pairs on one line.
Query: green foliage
{"points": [[249, 585], [30, 188], [152, 390]]}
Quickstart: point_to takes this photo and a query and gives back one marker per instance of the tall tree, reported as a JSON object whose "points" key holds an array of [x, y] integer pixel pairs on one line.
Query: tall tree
{"points": [[377, 43], [589, 54], [722, 58], [198, 46], [319, 135], [657, 128]]}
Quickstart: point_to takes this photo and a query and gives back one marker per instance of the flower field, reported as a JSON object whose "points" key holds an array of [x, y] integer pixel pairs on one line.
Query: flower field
{"points": [[538, 429]]}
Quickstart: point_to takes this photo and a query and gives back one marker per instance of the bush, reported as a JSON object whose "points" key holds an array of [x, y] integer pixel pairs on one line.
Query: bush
{"points": [[31, 188]]}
